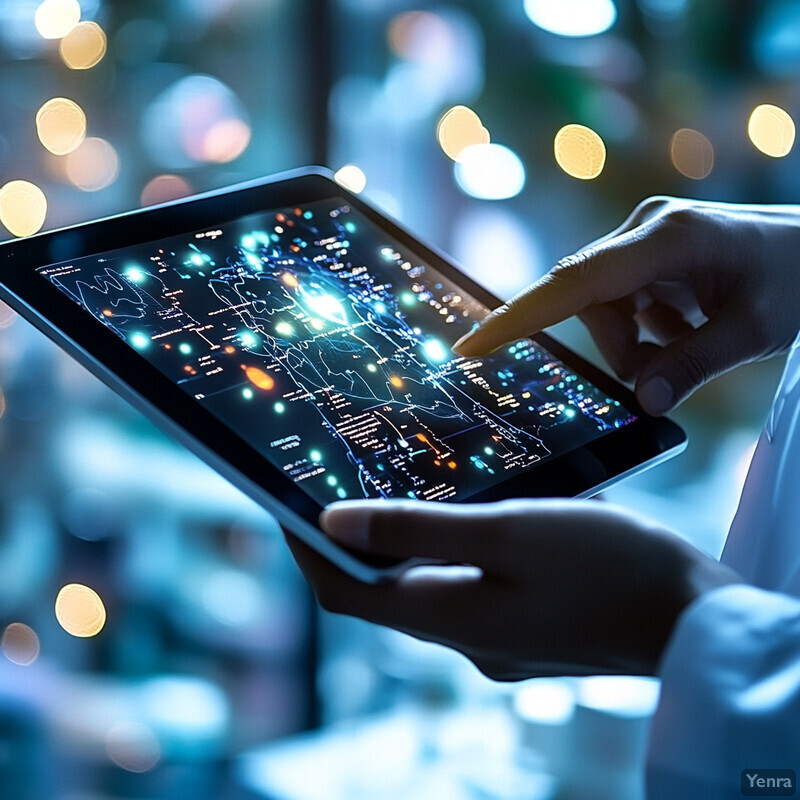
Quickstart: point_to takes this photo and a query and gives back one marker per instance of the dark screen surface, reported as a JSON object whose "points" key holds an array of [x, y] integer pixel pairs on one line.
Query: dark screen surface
{"points": [[324, 343]]}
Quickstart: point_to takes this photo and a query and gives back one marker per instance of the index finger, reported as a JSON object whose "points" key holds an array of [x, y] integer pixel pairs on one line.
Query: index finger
{"points": [[599, 274]]}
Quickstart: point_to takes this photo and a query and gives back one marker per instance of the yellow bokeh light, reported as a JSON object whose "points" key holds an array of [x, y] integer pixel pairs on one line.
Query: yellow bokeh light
{"points": [[23, 207], [20, 644], [93, 166], [352, 178], [84, 46], [460, 128], [56, 18], [771, 130], [692, 153], [580, 152], [80, 611], [61, 125]]}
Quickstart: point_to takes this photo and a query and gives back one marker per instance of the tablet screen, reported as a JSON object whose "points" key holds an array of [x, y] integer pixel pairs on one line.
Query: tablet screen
{"points": [[325, 343]]}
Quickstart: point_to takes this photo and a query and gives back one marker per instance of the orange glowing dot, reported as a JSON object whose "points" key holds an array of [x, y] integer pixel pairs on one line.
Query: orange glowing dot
{"points": [[281, 218], [187, 368], [297, 212], [259, 378], [396, 382], [438, 463], [168, 347], [107, 312], [289, 279], [230, 349], [294, 248], [452, 464], [422, 437]]}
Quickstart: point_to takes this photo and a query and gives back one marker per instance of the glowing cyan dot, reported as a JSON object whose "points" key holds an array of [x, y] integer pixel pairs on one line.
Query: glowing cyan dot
{"points": [[371, 368], [23, 208], [572, 17], [284, 328], [340, 492], [197, 260], [248, 339], [326, 306], [185, 348], [692, 154], [249, 242], [61, 125], [352, 178], [20, 644], [315, 456], [350, 227], [772, 130], [140, 341], [490, 172], [279, 408], [408, 299], [380, 308], [488, 451], [54, 19], [134, 274], [436, 351], [317, 324], [459, 128], [247, 393], [580, 152], [84, 46], [331, 480], [80, 611]]}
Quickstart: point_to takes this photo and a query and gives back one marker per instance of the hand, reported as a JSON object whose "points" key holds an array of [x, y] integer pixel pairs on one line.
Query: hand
{"points": [[561, 586], [714, 285]]}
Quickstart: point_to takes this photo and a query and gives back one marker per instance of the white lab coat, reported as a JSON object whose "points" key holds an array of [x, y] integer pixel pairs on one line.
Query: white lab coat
{"points": [[730, 696]]}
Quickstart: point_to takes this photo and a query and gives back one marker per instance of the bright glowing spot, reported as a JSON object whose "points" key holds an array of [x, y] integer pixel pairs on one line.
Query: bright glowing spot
{"points": [[572, 17], [197, 260], [350, 227], [315, 456], [133, 747], [380, 308], [56, 18], [488, 451], [352, 178], [284, 328], [134, 274], [436, 351], [248, 339], [317, 324], [545, 701], [80, 611], [331, 480], [84, 46], [226, 140], [619, 694], [279, 408], [164, 188], [289, 279], [20, 644], [340, 492], [94, 165], [260, 378], [580, 152], [23, 207], [490, 172], [408, 299], [247, 393], [185, 348], [459, 128], [371, 368], [692, 154], [249, 242], [61, 125], [396, 382], [139, 341], [771, 130], [326, 306]]}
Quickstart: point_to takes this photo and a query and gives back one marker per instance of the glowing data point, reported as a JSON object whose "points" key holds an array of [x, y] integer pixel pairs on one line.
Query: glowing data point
{"points": [[315, 456], [185, 348], [247, 393], [371, 368], [284, 328], [436, 351], [279, 408], [248, 339], [580, 152], [260, 379], [331, 480], [140, 341], [340, 492]]}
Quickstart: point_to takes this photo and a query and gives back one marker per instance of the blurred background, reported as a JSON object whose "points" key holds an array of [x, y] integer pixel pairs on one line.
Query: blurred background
{"points": [[156, 638]]}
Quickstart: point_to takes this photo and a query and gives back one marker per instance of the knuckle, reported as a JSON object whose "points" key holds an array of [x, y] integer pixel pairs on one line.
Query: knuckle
{"points": [[575, 272], [696, 364], [651, 206]]}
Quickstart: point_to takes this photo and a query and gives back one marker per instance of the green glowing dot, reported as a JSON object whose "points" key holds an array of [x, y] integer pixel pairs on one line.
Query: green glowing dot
{"points": [[185, 348], [372, 368], [315, 456], [408, 299], [139, 341], [341, 493], [350, 227], [332, 481], [284, 328], [488, 451], [279, 407], [247, 393]]}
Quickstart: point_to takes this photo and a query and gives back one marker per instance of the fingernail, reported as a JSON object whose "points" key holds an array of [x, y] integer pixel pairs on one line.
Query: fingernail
{"points": [[347, 523], [656, 395]]}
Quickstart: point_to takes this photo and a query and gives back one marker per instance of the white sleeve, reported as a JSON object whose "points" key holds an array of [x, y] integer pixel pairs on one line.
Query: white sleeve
{"points": [[730, 695]]}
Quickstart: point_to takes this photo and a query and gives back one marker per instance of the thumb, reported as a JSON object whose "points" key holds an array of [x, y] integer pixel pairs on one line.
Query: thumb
{"points": [[678, 370]]}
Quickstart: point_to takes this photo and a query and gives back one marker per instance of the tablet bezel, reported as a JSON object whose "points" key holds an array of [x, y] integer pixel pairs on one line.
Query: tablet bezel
{"points": [[581, 472]]}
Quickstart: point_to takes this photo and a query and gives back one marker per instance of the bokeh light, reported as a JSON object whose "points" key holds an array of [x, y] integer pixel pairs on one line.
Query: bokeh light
{"points": [[572, 17], [422, 37], [164, 188], [692, 153], [225, 141], [61, 125], [23, 207], [580, 152], [20, 644], [771, 130], [80, 610], [94, 165], [459, 128], [56, 18], [490, 172], [133, 747], [84, 46], [352, 178]]}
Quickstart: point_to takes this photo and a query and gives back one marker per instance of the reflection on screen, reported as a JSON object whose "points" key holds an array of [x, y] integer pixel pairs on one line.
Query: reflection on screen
{"points": [[325, 343]]}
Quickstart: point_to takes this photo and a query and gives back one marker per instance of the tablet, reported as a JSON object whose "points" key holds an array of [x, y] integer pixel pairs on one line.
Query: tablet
{"points": [[299, 341]]}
